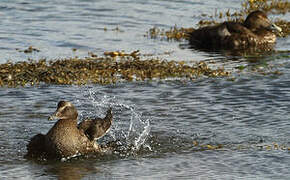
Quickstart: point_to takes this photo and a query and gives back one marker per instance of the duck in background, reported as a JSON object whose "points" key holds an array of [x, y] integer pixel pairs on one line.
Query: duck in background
{"points": [[256, 31], [66, 138]]}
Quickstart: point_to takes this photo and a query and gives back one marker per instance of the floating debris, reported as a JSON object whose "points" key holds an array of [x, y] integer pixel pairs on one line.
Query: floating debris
{"points": [[133, 54], [174, 33], [268, 147], [30, 49], [101, 70], [91, 54], [116, 29]]}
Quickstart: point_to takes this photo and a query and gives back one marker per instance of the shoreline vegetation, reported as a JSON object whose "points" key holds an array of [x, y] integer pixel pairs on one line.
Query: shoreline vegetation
{"points": [[118, 66]]}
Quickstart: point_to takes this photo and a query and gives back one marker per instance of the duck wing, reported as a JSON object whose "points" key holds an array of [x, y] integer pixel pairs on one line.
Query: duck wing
{"points": [[36, 146], [204, 37], [226, 35], [97, 127], [210, 37], [240, 38], [234, 27]]}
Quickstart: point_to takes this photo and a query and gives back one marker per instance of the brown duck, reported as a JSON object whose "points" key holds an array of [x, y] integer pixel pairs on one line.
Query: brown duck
{"points": [[257, 30], [66, 138]]}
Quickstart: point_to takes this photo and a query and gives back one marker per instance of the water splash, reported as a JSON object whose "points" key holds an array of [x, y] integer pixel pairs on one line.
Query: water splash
{"points": [[138, 130], [129, 128]]}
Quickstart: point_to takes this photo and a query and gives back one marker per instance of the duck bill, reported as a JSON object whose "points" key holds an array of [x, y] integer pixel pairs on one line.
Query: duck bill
{"points": [[54, 116], [275, 28]]}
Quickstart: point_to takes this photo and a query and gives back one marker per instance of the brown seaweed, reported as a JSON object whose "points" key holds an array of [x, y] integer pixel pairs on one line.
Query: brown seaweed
{"points": [[113, 67]]}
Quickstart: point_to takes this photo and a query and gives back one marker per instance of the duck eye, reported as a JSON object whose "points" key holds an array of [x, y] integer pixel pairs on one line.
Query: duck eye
{"points": [[65, 109]]}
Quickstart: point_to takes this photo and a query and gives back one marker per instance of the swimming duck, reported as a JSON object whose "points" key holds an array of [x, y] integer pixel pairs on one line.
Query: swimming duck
{"points": [[66, 138], [255, 31]]}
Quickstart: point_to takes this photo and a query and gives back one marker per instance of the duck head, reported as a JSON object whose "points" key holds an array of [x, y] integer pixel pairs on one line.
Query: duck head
{"points": [[258, 20], [65, 110]]}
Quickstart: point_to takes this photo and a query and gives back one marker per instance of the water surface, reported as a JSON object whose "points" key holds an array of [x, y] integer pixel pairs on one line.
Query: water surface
{"points": [[247, 116]]}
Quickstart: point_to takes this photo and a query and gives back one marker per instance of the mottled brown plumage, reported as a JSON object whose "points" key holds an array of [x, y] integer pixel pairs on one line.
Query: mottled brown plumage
{"points": [[254, 32], [96, 128], [66, 139]]}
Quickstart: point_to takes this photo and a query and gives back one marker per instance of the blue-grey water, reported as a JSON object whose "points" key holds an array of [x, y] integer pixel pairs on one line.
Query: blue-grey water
{"points": [[171, 124]]}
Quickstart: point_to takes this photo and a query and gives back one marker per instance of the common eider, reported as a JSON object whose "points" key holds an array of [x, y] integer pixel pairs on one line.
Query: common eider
{"points": [[256, 31], [66, 138]]}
